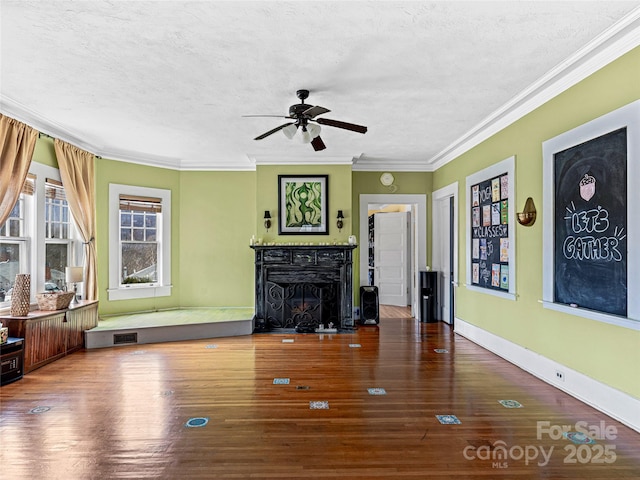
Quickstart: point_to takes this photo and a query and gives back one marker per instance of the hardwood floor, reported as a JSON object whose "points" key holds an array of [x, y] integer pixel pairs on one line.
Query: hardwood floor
{"points": [[122, 412]]}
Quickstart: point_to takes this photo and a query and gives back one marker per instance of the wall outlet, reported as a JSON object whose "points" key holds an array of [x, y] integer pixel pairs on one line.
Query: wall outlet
{"points": [[559, 375], [356, 312]]}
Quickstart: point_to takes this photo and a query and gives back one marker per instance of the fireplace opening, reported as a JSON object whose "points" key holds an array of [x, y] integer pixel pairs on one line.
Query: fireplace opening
{"points": [[292, 305]]}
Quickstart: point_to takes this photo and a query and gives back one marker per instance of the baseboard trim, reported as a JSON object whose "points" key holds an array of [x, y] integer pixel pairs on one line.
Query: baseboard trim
{"points": [[610, 401]]}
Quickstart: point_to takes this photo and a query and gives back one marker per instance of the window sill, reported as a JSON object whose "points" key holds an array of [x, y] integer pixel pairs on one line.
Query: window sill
{"points": [[629, 323], [133, 292]]}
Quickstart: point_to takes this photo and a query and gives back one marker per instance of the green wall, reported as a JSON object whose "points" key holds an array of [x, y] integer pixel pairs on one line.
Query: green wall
{"points": [[601, 351], [217, 219], [45, 152], [124, 173], [214, 216], [339, 189]]}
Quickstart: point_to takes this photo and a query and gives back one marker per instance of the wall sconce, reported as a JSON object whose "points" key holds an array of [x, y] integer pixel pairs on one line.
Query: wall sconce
{"points": [[267, 220], [340, 222], [528, 216]]}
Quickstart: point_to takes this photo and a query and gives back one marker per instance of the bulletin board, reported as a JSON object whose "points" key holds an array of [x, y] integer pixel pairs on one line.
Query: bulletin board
{"points": [[490, 229]]}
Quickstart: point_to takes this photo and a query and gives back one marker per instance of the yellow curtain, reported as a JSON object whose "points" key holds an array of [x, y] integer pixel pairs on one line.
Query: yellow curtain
{"points": [[17, 142], [77, 172]]}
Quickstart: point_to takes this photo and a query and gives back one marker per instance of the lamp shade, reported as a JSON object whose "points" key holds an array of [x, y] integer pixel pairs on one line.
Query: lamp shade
{"points": [[314, 130], [74, 274], [290, 130], [305, 136]]}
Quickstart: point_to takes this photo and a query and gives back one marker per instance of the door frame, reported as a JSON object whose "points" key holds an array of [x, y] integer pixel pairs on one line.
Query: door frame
{"points": [[419, 209], [445, 194]]}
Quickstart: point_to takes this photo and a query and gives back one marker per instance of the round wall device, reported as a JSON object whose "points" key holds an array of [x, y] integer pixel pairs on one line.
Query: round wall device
{"points": [[386, 179]]}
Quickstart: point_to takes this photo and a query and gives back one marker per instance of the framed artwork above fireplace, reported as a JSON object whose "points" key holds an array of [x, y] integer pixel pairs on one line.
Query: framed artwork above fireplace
{"points": [[303, 204]]}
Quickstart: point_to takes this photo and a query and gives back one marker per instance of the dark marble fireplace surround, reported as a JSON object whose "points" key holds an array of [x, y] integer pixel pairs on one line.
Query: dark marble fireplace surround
{"points": [[303, 286]]}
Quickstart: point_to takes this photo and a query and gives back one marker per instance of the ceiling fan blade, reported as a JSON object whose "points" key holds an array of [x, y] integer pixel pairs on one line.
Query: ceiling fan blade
{"points": [[318, 144], [267, 116], [264, 135], [315, 111], [347, 126]]}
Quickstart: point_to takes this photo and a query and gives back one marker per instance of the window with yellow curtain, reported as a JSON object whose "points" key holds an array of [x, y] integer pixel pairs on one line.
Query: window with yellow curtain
{"points": [[39, 237], [14, 240]]}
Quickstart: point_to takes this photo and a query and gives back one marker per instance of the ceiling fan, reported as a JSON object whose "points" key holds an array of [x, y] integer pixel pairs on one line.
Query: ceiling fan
{"points": [[304, 118]]}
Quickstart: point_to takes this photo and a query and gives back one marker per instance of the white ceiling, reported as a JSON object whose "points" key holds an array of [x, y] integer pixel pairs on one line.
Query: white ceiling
{"points": [[168, 82]]}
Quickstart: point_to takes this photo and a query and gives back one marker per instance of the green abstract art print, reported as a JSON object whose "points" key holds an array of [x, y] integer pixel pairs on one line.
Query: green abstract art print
{"points": [[303, 204]]}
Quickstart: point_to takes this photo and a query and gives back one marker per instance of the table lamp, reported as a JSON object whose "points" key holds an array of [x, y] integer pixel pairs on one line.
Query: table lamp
{"points": [[74, 275]]}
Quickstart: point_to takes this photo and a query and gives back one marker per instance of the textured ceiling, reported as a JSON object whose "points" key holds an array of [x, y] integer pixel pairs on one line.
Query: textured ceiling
{"points": [[168, 82]]}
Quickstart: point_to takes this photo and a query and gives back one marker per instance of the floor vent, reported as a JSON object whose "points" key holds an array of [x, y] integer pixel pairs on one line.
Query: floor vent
{"points": [[120, 338]]}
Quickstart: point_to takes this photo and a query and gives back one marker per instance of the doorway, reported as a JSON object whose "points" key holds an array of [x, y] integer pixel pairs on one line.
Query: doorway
{"points": [[445, 247], [417, 256]]}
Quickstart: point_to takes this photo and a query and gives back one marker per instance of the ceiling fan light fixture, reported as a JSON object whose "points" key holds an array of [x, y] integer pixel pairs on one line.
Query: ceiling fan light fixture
{"points": [[290, 130], [314, 130], [304, 116], [309, 132], [306, 137]]}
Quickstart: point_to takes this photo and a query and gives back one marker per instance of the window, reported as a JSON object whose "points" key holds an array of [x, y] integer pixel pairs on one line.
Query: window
{"points": [[57, 227], [139, 223], [14, 243], [39, 237], [139, 238]]}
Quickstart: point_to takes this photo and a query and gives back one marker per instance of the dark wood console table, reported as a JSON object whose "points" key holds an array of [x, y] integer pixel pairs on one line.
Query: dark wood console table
{"points": [[51, 334], [303, 284]]}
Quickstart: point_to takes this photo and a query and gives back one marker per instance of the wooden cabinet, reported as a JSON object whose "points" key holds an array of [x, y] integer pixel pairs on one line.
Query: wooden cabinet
{"points": [[50, 335]]}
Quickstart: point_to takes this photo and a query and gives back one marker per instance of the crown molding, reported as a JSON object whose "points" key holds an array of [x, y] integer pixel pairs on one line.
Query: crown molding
{"points": [[53, 129], [374, 164], [141, 159], [614, 42], [248, 166], [43, 124], [259, 159]]}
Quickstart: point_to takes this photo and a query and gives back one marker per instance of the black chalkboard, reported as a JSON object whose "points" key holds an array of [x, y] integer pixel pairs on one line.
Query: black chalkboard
{"points": [[490, 233], [590, 235]]}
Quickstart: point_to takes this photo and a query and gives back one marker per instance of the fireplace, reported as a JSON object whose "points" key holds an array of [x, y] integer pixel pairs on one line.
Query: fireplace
{"points": [[303, 287]]}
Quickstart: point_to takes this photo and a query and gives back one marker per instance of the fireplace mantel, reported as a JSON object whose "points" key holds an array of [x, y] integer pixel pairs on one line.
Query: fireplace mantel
{"points": [[303, 284]]}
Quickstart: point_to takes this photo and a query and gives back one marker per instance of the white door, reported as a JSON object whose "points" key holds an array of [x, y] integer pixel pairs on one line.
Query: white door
{"points": [[390, 258]]}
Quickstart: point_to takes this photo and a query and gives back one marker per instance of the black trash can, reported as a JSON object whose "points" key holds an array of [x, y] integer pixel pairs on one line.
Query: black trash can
{"points": [[428, 296]]}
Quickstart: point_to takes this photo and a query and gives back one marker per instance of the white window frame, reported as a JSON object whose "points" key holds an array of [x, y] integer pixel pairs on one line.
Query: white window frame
{"points": [[71, 241], [508, 166], [161, 288], [629, 117]]}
